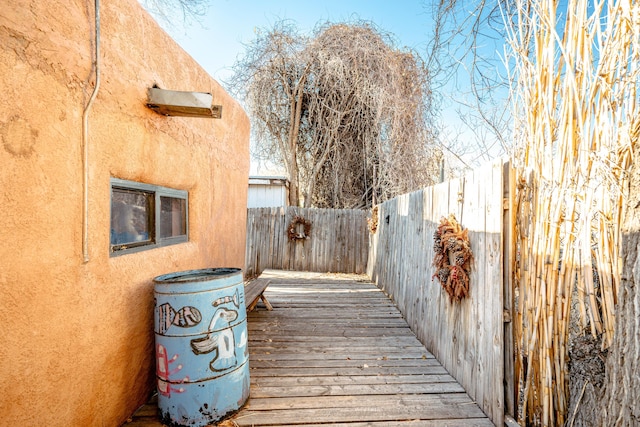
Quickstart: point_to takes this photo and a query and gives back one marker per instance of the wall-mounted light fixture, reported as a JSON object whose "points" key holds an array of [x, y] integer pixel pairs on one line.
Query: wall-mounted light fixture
{"points": [[185, 104]]}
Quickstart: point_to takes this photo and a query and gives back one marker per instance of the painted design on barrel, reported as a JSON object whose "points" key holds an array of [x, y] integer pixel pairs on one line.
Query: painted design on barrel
{"points": [[163, 372], [222, 342], [235, 299], [186, 317]]}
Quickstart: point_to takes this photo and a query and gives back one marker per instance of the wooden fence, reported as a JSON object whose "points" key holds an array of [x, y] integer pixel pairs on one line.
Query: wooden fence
{"points": [[466, 337], [473, 338], [339, 241]]}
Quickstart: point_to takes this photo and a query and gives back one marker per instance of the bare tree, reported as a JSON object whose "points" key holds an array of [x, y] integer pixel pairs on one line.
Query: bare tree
{"points": [[467, 52], [168, 10], [620, 397], [344, 111], [272, 77]]}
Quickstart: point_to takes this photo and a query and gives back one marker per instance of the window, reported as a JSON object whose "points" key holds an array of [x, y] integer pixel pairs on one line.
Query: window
{"points": [[145, 216]]}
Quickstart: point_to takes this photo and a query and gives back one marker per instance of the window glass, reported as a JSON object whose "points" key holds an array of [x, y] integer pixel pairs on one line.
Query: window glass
{"points": [[130, 217], [173, 217], [145, 216]]}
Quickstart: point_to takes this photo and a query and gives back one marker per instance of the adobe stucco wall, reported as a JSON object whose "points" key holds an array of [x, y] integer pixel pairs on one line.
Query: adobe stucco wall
{"points": [[76, 340]]}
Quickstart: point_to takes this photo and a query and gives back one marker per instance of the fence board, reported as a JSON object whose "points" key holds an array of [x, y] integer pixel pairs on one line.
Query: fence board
{"points": [[466, 337], [509, 258], [339, 241]]}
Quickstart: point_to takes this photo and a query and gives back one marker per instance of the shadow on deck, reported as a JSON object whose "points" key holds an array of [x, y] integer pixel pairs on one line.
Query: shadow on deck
{"points": [[336, 351]]}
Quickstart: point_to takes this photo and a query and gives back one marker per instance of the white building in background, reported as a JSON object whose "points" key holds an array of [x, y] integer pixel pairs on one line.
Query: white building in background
{"points": [[268, 191]]}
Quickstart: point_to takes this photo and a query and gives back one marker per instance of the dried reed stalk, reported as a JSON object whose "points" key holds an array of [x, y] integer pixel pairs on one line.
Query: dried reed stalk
{"points": [[575, 81]]}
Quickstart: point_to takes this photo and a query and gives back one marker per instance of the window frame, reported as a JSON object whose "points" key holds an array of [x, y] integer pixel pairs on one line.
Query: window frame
{"points": [[154, 224]]}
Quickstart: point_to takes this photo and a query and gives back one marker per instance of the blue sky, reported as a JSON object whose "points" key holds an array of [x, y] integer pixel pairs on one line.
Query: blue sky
{"points": [[216, 39]]}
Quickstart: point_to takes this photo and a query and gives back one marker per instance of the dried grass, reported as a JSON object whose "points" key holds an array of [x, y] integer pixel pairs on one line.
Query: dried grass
{"points": [[576, 93]]}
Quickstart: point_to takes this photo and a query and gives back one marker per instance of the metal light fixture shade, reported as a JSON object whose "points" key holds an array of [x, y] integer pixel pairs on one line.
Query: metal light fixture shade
{"points": [[184, 104]]}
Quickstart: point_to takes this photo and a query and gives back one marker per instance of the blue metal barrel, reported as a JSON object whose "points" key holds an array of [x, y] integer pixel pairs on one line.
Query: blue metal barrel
{"points": [[202, 364]]}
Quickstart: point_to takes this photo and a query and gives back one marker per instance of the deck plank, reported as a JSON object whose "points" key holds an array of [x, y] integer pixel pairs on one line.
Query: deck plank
{"points": [[453, 422], [335, 351]]}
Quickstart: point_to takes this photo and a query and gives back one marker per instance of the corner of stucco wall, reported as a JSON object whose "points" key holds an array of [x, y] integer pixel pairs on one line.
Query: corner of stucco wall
{"points": [[81, 334], [209, 158]]}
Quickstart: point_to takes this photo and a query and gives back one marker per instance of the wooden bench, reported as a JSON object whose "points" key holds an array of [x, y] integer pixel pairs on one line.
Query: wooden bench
{"points": [[253, 293]]}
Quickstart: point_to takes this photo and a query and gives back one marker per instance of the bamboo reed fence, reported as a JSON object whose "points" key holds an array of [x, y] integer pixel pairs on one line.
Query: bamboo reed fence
{"points": [[576, 76]]}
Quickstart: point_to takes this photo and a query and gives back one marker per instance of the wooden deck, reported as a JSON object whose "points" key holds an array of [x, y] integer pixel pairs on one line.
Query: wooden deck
{"points": [[336, 351]]}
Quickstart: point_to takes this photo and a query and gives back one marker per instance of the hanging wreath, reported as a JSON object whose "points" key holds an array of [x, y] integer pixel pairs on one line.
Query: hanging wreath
{"points": [[373, 221], [293, 229], [452, 258]]}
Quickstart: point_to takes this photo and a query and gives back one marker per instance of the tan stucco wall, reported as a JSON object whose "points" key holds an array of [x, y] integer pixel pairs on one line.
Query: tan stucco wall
{"points": [[76, 341]]}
